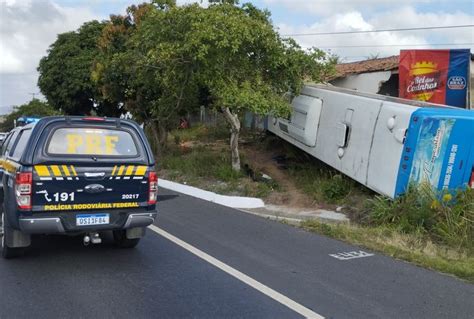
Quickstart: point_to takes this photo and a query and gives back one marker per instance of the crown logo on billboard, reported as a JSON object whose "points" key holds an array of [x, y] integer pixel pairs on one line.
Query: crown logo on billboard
{"points": [[423, 67]]}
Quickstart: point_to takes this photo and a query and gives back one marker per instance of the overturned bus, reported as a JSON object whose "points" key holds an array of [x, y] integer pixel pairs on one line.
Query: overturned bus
{"points": [[384, 143]]}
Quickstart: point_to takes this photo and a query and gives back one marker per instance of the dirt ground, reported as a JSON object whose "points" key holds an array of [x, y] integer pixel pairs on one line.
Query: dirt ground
{"points": [[258, 153], [288, 194]]}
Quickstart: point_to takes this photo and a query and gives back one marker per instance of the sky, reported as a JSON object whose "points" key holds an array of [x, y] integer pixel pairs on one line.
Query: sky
{"points": [[28, 27]]}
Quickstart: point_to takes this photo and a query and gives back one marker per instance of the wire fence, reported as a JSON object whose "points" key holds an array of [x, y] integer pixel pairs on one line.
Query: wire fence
{"points": [[212, 117]]}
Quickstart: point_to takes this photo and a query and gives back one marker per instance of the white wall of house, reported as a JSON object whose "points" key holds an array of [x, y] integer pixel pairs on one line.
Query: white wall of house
{"points": [[364, 82]]}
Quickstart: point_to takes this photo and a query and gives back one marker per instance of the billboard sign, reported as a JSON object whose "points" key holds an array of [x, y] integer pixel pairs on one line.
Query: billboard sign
{"points": [[437, 76]]}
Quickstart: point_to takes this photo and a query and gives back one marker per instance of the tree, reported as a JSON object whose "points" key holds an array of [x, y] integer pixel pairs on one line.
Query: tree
{"points": [[136, 67], [65, 73], [34, 108], [237, 56], [159, 58], [174, 53]]}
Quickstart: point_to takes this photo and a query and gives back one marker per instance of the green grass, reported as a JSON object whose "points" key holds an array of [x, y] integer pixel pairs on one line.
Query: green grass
{"points": [[318, 180], [415, 248], [445, 218], [431, 229], [200, 161], [208, 165], [325, 184], [200, 133]]}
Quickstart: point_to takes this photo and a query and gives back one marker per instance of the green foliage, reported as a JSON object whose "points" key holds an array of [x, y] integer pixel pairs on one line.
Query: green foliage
{"points": [[445, 218], [198, 158], [160, 60], [264, 189], [226, 173], [208, 168], [200, 133], [34, 108], [65, 73], [135, 70], [337, 187], [200, 161], [241, 59], [320, 181]]}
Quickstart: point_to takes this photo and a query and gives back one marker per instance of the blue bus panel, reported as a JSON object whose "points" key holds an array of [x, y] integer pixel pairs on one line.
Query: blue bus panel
{"points": [[439, 149]]}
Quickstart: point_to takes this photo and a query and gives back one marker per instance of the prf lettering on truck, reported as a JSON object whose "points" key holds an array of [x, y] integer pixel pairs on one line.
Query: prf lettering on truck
{"points": [[95, 142]]}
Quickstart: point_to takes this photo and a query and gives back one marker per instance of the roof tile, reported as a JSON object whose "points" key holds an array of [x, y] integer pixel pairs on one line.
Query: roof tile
{"points": [[373, 65]]}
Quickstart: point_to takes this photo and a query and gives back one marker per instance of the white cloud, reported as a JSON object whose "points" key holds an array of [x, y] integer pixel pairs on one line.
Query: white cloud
{"points": [[383, 43], [27, 29], [9, 62], [329, 7], [412, 18]]}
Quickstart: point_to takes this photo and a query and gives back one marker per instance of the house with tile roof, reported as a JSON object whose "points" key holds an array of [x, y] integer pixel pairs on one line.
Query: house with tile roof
{"points": [[379, 76]]}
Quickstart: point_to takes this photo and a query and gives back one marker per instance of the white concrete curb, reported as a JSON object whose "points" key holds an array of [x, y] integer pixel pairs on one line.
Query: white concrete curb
{"points": [[229, 201]]}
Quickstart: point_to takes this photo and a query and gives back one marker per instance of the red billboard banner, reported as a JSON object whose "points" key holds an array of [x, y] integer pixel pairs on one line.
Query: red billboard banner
{"points": [[437, 76], [423, 75]]}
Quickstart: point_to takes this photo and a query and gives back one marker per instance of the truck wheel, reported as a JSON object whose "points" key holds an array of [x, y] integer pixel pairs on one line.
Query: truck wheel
{"points": [[8, 252], [122, 241]]}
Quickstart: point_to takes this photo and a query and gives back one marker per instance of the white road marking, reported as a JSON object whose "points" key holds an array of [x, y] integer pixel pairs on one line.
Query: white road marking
{"points": [[275, 295], [351, 255]]}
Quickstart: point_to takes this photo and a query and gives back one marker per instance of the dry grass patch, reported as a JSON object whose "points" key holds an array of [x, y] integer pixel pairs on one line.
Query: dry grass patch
{"points": [[414, 248]]}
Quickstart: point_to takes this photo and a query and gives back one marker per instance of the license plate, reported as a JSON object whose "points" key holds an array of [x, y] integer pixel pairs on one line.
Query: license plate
{"points": [[96, 219]]}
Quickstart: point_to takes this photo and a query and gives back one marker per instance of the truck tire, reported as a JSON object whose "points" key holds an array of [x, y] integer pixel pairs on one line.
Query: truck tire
{"points": [[8, 252], [122, 241]]}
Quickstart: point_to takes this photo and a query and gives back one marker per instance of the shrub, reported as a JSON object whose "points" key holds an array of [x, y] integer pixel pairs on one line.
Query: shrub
{"points": [[225, 172], [322, 182], [444, 217], [336, 187]]}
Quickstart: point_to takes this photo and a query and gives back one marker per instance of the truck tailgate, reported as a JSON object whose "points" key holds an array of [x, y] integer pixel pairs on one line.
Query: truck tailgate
{"points": [[73, 187]]}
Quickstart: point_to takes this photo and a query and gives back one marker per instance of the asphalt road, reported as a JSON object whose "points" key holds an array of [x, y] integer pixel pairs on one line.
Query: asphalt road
{"points": [[159, 279]]}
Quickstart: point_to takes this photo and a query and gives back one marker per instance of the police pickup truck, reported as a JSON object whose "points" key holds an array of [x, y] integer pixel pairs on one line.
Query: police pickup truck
{"points": [[76, 176]]}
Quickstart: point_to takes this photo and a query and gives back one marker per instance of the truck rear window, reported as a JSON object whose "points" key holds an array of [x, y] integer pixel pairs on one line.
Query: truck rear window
{"points": [[92, 141]]}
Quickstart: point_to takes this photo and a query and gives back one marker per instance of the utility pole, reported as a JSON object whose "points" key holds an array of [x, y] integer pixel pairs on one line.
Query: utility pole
{"points": [[33, 95]]}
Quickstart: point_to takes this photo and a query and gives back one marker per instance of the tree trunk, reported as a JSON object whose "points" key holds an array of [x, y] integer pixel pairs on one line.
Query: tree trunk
{"points": [[234, 123], [163, 136], [156, 137]]}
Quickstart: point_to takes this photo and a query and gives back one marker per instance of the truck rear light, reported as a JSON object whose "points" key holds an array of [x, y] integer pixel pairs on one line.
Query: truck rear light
{"points": [[153, 188], [24, 181]]}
